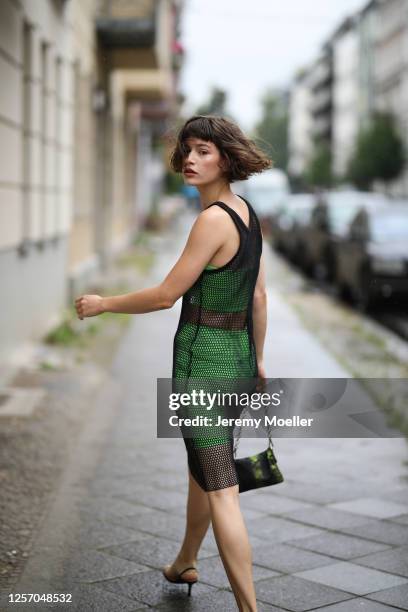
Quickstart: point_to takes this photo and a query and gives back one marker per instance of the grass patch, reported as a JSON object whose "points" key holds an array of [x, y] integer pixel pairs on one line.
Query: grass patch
{"points": [[362, 353], [63, 334], [46, 365], [71, 332]]}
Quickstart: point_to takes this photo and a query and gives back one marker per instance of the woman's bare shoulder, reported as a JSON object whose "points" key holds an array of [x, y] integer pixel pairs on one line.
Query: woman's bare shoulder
{"points": [[214, 215]]}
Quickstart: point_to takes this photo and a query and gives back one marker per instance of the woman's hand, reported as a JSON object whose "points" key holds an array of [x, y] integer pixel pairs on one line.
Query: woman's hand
{"points": [[89, 306], [261, 376]]}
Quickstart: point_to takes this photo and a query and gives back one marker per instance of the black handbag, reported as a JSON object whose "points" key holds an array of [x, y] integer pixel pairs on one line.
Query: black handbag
{"points": [[260, 470]]}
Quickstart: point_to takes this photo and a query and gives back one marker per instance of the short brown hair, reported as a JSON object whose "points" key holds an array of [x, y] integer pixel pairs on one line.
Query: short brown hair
{"points": [[242, 154]]}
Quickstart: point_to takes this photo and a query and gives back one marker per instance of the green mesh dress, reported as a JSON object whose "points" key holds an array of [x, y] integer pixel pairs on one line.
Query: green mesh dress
{"points": [[213, 341]]}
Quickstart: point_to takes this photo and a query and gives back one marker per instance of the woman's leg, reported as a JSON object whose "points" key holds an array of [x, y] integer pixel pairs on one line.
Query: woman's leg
{"points": [[233, 544], [198, 520], [221, 508]]}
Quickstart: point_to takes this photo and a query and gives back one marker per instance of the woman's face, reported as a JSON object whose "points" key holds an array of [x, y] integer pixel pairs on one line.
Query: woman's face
{"points": [[204, 159]]}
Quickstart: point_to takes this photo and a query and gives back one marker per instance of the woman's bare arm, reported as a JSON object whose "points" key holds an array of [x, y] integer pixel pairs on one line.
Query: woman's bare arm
{"points": [[206, 237], [259, 311]]}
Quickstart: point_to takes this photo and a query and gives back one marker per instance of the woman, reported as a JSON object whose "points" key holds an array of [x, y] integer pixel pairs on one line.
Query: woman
{"points": [[221, 331]]}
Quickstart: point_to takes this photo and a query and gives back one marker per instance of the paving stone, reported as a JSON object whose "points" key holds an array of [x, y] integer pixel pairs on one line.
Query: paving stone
{"points": [[358, 604], [153, 589], [169, 500], [93, 598], [338, 545], [212, 571], [274, 504], [402, 519], [371, 506], [250, 514], [352, 578], [326, 517], [93, 565], [384, 531], [138, 490], [295, 594], [277, 529], [155, 522], [218, 600], [104, 533], [158, 523], [394, 561], [105, 507], [396, 596], [399, 495], [287, 559], [263, 607], [320, 493], [151, 551], [170, 480]]}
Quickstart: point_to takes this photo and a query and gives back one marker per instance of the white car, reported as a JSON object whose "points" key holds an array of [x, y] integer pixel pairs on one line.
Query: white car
{"points": [[267, 191]]}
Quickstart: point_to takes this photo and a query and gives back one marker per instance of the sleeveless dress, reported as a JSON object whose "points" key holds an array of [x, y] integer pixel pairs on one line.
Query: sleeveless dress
{"points": [[213, 341]]}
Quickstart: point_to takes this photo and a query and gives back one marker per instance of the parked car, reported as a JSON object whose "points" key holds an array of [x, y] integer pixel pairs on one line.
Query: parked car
{"points": [[329, 222], [372, 259], [267, 192], [289, 225]]}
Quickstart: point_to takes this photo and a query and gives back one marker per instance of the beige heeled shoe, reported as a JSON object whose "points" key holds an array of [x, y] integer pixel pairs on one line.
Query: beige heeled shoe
{"points": [[179, 579]]}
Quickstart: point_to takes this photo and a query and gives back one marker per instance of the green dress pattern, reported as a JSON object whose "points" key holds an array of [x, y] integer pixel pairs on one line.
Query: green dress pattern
{"points": [[214, 346]]}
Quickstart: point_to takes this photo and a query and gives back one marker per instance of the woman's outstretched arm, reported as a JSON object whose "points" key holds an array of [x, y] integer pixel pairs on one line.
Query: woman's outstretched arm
{"points": [[206, 237]]}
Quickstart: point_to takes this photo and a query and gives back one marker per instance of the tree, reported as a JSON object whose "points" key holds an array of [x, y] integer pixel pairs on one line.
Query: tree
{"points": [[378, 153], [216, 104], [318, 172], [271, 131]]}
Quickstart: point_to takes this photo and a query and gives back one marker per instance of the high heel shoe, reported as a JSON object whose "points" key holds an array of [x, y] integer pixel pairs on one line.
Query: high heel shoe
{"points": [[180, 580]]}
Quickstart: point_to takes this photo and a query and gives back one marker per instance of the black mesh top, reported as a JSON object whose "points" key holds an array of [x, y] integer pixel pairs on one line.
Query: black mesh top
{"points": [[214, 336]]}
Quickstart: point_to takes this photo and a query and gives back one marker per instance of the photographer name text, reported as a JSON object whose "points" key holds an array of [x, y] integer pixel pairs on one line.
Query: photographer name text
{"points": [[206, 421]]}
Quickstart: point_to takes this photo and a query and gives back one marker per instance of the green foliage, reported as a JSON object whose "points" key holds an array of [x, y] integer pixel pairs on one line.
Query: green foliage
{"points": [[173, 182], [216, 104], [378, 153], [271, 131], [63, 334], [318, 172]]}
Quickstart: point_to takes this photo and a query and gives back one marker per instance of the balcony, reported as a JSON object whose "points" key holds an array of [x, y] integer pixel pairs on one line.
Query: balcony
{"points": [[136, 34], [119, 34], [137, 41]]}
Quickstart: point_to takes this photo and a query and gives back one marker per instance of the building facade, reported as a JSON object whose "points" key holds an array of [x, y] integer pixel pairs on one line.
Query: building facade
{"points": [[300, 124], [368, 55], [87, 87], [345, 118], [391, 71]]}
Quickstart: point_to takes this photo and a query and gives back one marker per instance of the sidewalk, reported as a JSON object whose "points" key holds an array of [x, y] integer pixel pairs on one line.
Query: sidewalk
{"points": [[333, 536]]}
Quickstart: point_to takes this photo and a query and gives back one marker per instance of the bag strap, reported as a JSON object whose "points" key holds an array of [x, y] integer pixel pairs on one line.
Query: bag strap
{"points": [[236, 439], [281, 385]]}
